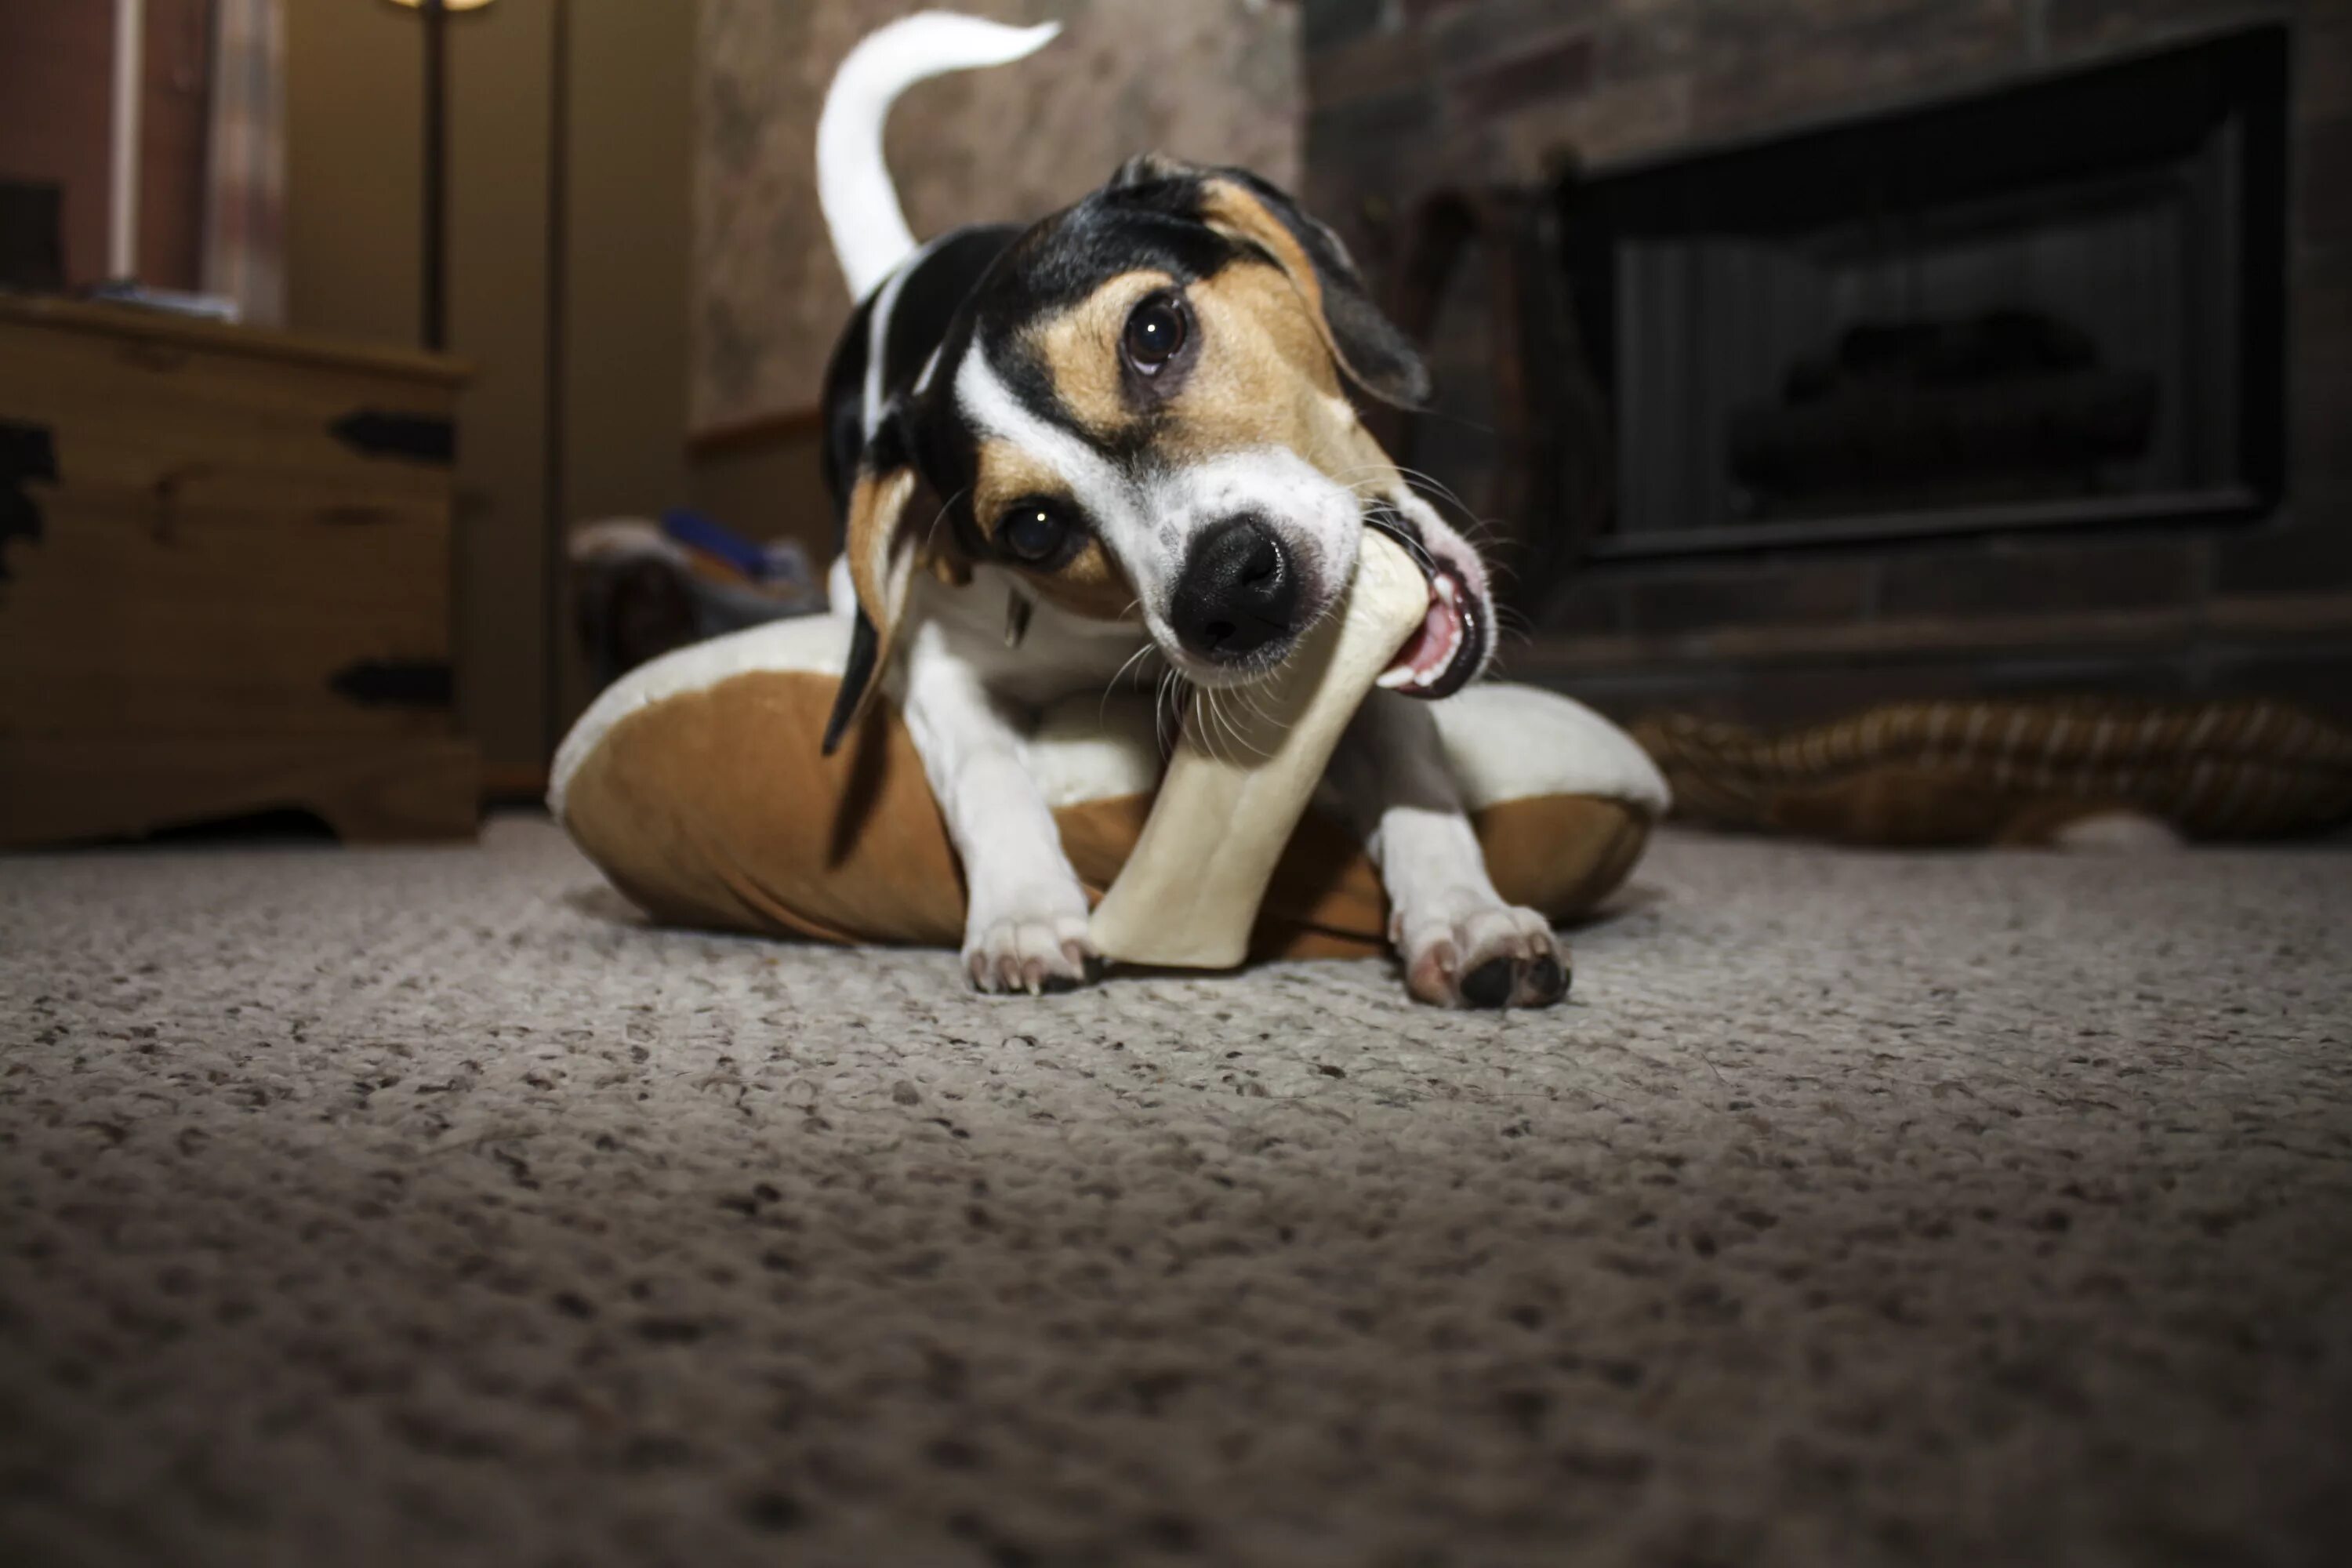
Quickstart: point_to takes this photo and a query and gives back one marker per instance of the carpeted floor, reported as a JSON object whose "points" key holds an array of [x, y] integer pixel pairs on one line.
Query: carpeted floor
{"points": [[373, 1207]]}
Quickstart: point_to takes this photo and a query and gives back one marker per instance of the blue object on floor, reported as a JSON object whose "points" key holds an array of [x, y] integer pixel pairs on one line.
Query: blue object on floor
{"points": [[695, 532]]}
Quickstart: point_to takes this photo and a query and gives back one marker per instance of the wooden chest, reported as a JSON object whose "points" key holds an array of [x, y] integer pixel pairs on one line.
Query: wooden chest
{"points": [[224, 579]]}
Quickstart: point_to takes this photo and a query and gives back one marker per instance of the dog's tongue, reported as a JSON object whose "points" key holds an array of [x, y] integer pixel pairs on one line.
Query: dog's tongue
{"points": [[1429, 653]]}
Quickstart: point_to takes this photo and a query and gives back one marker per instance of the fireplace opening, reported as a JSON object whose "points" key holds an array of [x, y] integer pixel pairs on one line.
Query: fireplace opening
{"points": [[2059, 304]]}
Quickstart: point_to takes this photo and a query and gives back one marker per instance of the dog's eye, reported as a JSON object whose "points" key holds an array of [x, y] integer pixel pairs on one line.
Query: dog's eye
{"points": [[1155, 332], [1033, 530]]}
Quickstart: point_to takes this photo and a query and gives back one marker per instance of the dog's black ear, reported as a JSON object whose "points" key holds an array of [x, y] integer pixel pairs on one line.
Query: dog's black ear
{"points": [[1154, 169], [1368, 345], [882, 547]]}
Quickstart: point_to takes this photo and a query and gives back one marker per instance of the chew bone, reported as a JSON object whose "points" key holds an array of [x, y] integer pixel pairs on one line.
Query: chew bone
{"points": [[1237, 786]]}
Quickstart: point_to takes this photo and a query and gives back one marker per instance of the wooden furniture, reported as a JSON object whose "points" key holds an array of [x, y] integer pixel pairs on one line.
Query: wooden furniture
{"points": [[224, 579]]}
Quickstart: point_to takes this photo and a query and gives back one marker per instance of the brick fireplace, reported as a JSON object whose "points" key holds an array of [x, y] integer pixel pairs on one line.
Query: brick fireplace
{"points": [[1899, 347]]}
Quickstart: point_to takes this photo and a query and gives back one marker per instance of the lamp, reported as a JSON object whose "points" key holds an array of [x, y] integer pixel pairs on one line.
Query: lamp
{"points": [[435, 15]]}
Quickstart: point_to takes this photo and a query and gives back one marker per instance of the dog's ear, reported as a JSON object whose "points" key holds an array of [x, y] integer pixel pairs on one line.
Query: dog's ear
{"points": [[1154, 169], [882, 547], [1366, 344]]}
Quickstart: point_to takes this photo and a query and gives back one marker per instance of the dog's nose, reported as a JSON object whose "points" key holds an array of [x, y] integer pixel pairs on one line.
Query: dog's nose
{"points": [[1238, 592]]}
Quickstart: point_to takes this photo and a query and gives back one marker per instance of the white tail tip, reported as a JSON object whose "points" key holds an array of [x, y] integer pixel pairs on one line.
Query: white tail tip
{"points": [[861, 207]]}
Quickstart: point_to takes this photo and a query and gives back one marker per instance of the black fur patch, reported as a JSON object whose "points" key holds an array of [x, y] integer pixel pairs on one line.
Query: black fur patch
{"points": [[921, 318], [864, 645]]}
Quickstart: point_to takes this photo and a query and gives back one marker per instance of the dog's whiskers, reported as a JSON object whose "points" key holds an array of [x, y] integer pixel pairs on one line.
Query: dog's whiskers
{"points": [[1211, 731], [1237, 733], [1485, 533], [1166, 695], [1137, 657], [939, 517]]}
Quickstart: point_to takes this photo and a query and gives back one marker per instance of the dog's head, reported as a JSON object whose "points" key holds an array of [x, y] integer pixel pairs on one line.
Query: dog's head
{"points": [[1141, 411]]}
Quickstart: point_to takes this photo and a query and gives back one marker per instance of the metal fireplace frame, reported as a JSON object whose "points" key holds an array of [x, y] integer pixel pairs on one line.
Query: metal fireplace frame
{"points": [[2070, 125]]}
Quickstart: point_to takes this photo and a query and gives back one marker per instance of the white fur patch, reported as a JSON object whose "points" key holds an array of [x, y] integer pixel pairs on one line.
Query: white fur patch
{"points": [[1320, 521], [992, 409], [861, 206], [877, 335]]}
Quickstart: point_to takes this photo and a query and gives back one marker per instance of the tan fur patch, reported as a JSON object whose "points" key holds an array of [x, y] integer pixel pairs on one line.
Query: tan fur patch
{"points": [[881, 563], [1005, 473], [1263, 379], [1091, 582], [1228, 206], [877, 507], [1081, 350]]}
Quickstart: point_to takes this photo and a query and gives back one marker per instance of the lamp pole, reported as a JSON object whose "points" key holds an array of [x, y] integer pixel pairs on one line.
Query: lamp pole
{"points": [[436, 158]]}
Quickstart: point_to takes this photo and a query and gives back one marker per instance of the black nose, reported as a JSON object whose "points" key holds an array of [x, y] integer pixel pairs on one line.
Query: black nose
{"points": [[1238, 592]]}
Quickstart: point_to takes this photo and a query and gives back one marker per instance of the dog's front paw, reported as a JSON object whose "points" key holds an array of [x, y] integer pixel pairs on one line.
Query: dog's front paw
{"points": [[1035, 950], [1487, 956]]}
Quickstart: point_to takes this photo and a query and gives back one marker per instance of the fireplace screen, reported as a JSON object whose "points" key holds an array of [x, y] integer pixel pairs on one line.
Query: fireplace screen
{"points": [[2060, 304]]}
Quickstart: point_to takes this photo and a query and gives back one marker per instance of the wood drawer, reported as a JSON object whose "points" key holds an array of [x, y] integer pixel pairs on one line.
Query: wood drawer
{"points": [[259, 615], [158, 405], [225, 574]]}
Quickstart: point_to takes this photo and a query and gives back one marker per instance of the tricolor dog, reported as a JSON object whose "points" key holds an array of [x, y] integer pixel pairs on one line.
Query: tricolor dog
{"points": [[1116, 445]]}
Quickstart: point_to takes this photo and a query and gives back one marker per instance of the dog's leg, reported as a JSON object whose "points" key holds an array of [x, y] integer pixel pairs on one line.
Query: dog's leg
{"points": [[1024, 914], [1461, 944]]}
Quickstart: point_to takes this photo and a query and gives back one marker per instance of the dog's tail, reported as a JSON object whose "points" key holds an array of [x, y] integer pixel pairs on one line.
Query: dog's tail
{"points": [[861, 206]]}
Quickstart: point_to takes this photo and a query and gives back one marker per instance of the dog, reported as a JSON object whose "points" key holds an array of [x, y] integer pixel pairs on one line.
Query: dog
{"points": [[1116, 445]]}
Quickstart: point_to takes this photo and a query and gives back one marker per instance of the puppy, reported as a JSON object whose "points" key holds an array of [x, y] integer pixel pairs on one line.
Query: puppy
{"points": [[1116, 445]]}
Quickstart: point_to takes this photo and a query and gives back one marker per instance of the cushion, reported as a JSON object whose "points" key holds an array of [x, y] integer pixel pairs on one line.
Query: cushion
{"points": [[696, 784], [2013, 772]]}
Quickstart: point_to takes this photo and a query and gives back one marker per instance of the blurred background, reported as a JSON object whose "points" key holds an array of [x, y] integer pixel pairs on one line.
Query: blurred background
{"points": [[1801, 355]]}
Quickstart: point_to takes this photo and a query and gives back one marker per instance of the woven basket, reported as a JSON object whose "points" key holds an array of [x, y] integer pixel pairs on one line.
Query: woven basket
{"points": [[1951, 773]]}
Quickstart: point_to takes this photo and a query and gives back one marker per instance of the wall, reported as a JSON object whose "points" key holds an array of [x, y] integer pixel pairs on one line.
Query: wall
{"points": [[627, 273], [1406, 95], [766, 478], [1209, 80], [616, 345], [57, 83]]}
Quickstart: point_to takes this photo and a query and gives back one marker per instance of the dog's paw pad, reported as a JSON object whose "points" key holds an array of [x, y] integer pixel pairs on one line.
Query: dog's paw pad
{"points": [[1547, 980], [1041, 956], [1490, 984], [1489, 957]]}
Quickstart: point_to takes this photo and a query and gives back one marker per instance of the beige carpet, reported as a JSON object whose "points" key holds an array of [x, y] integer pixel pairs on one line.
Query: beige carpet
{"points": [[413, 1206]]}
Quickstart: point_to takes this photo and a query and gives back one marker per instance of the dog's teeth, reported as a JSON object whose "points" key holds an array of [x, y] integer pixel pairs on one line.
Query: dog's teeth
{"points": [[1402, 675]]}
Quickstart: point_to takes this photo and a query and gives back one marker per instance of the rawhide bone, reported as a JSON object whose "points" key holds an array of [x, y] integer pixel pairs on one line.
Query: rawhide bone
{"points": [[1239, 781]]}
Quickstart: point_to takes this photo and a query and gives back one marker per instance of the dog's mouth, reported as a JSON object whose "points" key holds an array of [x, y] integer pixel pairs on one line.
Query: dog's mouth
{"points": [[1451, 646]]}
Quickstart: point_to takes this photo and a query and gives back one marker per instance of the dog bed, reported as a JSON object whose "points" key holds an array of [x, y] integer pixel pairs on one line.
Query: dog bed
{"points": [[696, 784], [2015, 772]]}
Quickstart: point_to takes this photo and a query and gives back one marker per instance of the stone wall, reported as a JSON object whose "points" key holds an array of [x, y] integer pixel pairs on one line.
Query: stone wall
{"points": [[1209, 80], [1407, 94]]}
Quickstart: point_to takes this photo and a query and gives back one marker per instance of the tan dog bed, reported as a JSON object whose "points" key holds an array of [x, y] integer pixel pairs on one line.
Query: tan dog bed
{"points": [[696, 785]]}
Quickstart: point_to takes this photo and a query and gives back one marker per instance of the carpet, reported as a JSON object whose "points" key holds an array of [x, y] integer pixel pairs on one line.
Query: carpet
{"points": [[418, 1205]]}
